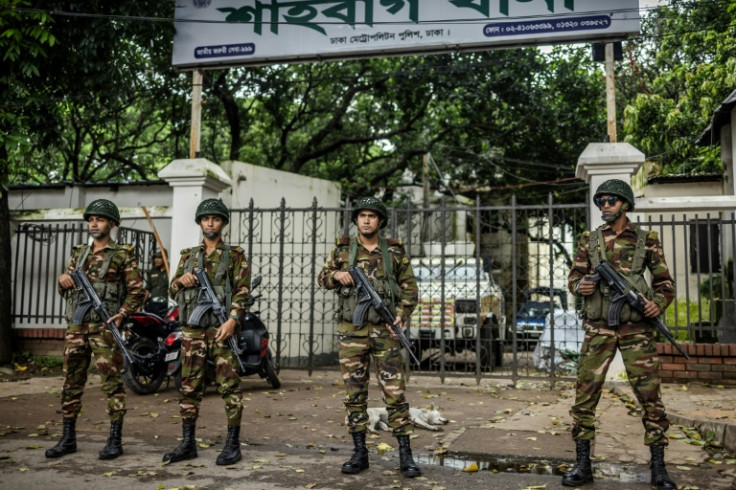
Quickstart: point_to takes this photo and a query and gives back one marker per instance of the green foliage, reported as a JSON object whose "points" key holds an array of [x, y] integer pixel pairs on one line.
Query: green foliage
{"points": [[683, 65], [688, 314], [91, 98], [364, 123], [96, 99]]}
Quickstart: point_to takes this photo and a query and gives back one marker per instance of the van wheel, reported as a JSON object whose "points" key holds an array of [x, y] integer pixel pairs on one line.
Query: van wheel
{"points": [[491, 350]]}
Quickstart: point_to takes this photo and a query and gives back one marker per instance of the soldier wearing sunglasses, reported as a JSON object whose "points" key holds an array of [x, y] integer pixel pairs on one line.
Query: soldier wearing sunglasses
{"points": [[630, 251]]}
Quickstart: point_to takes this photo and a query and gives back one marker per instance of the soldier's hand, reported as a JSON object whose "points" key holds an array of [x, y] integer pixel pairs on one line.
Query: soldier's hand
{"points": [[397, 323], [651, 310], [225, 330], [188, 280], [117, 319], [586, 287], [66, 281], [344, 278]]}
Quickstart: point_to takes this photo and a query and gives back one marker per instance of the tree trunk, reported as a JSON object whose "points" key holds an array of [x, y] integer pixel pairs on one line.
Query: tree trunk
{"points": [[6, 332]]}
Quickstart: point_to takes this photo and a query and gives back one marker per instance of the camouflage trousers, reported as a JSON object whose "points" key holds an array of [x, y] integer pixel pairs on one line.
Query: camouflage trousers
{"points": [[78, 350], [197, 346], [642, 368], [356, 350]]}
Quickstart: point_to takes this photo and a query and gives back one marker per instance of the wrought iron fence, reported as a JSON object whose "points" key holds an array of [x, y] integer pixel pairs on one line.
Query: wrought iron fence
{"points": [[479, 288], [40, 255], [488, 276]]}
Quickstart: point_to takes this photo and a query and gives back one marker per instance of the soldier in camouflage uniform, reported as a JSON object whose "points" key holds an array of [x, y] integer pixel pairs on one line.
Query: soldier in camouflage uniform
{"points": [[113, 272], [387, 265], [630, 251], [228, 270], [157, 284]]}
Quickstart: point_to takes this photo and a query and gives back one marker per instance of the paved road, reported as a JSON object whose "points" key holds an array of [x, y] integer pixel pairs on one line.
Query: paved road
{"points": [[296, 439]]}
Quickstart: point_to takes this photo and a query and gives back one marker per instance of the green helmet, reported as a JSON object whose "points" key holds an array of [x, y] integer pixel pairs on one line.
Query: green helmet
{"points": [[104, 208], [158, 253], [212, 206], [374, 204], [616, 187]]}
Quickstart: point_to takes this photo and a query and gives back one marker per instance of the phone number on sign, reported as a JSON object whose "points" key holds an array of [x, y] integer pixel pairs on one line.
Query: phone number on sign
{"points": [[570, 24]]}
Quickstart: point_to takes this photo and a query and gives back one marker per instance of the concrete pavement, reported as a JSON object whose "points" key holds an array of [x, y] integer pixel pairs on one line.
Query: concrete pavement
{"points": [[517, 437]]}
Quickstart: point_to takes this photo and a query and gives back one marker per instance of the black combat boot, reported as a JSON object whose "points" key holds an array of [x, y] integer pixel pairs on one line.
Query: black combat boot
{"points": [[582, 472], [230, 454], [187, 449], [68, 442], [408, 467], [359, 461], [660, 479], [114, 446]]}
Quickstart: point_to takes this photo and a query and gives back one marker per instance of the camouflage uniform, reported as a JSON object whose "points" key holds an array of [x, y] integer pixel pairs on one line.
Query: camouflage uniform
{"points": [[92, 336], [198, 343], [157, 283], [635, 340], [373, 340]]}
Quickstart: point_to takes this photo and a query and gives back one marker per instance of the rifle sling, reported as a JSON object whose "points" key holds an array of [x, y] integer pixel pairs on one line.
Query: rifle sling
{"points": [[82, 262], [222, 271], [385, 257]]}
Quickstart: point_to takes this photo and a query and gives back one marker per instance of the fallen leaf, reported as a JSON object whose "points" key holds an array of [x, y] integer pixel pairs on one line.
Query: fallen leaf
{"points": [[383, 448], [471, 468]]}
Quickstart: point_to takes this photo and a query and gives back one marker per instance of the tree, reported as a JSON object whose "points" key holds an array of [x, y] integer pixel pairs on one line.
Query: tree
{"points": [[105, 104], [683, 65], [484, 116], [23, 43]]}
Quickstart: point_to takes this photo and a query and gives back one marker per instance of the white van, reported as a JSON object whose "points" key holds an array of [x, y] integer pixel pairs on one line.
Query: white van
{"points": [[473, 309]]}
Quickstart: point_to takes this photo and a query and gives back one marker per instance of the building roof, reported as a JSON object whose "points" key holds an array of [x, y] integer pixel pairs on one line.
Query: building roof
{"points": [[62, 185], [684, 178], [721, 116]]}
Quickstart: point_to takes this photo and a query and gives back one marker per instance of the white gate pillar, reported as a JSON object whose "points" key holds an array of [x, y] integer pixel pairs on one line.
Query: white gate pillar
{"points": [[602, 161], [193, 180], [598, 163]]}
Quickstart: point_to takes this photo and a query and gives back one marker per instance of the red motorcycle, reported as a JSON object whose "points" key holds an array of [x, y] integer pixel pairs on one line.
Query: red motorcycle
{"points": [[145, 334]]}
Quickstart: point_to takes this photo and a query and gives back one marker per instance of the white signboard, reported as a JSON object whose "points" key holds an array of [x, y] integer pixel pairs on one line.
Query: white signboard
{"points": [[249, 32]]}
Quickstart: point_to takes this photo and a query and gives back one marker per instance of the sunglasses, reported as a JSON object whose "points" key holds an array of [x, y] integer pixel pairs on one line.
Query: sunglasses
{"points": [[601, 201]]}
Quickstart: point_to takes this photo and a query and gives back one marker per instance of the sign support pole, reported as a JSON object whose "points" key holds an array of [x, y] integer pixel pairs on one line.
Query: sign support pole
{"points": [[610, 94], [196, 113]]}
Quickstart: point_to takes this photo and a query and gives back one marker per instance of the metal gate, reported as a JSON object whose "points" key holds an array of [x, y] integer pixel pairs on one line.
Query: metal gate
{"points": [[41, 253], [472, 333], [493, 281]]}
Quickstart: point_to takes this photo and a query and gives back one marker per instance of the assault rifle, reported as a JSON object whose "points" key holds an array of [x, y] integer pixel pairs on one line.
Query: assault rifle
{"points": [[91, 300], [371, 298], [625, 293], [208, 301]]}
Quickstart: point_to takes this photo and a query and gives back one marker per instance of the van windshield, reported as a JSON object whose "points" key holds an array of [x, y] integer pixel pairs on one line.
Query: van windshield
{"points": [[465, 272]]}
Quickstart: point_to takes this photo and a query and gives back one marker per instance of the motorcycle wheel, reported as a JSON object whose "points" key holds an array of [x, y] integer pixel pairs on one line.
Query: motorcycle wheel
{"points": [[272, 370], [138, 381]]}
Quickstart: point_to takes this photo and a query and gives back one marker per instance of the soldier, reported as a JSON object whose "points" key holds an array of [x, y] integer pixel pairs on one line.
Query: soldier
{"points": [[387, 265], [113, 272], [228, 270], [629, 250], [157, 284]]}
